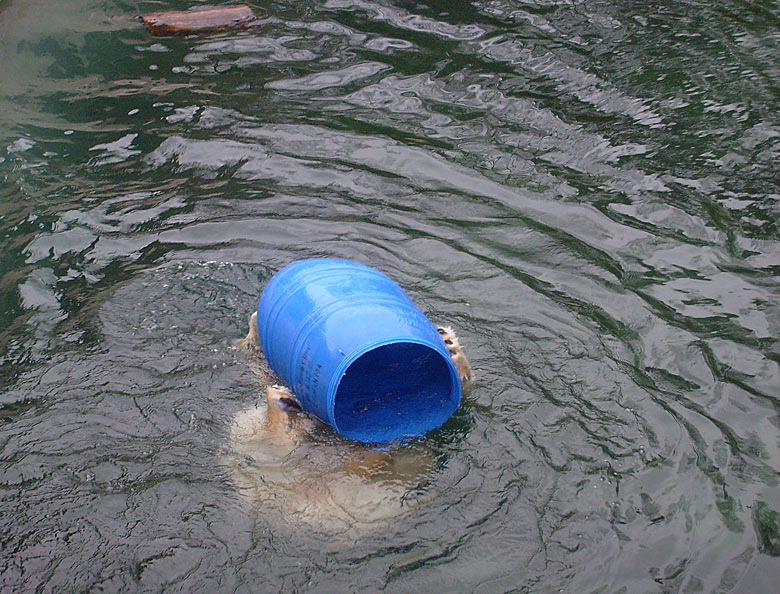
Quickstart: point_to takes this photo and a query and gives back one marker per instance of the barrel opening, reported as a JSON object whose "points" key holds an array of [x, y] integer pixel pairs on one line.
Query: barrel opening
{"points": [[395, 390]]}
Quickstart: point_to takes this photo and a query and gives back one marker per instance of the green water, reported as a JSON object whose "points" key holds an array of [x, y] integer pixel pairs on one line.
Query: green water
{"points": [[588, 191]]}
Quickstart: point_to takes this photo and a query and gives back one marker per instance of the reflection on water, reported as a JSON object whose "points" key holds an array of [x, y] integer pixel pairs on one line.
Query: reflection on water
{"points": [[586, 191]]}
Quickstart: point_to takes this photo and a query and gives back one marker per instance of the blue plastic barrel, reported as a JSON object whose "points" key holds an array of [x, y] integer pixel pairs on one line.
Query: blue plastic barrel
{"points": [[355, 350]]}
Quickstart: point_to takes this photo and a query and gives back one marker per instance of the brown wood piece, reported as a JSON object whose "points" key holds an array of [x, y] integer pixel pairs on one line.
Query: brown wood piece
{"points": [[192, 22]]}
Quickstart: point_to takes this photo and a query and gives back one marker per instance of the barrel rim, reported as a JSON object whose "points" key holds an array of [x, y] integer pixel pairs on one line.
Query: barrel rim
{"points": [[341, 370]]}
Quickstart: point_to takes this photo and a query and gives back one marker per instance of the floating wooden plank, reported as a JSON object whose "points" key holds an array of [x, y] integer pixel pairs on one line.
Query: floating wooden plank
{"points": [[192, 22]]}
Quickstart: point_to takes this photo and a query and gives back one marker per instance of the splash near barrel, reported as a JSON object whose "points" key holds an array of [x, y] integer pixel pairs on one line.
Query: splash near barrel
{"points": [[355, 350]]}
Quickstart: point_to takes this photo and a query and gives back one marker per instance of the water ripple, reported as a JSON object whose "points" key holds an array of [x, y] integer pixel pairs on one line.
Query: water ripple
{"points": [[586, 191]]}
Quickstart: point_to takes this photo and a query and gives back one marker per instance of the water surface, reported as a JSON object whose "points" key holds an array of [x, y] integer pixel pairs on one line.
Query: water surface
{"points": [[586, 190]]}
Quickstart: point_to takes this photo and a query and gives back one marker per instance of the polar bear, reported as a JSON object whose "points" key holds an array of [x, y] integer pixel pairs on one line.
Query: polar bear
{"points": [[301, 470]]}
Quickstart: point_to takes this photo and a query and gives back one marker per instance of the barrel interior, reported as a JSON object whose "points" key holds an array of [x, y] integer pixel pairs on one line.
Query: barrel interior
{"points": [[393, 391]]}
